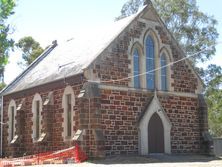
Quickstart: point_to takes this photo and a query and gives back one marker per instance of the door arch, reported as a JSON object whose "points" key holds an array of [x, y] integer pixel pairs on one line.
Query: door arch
{"points": [[154, 108], [155, 135]]}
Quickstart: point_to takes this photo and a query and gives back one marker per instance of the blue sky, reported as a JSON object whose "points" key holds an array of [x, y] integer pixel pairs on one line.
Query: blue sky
{"points": [[47, 20]]}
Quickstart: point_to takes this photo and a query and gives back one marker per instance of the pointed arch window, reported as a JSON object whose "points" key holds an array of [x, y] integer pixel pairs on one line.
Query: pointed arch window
{"points": [[163, 75], [12, 120], [136, 68], [68, 102], [150, 63], [37, 116]]}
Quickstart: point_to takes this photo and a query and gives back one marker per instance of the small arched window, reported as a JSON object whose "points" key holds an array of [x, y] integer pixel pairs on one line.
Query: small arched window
{"points": [[163, 73], [136, 68], [12, 120], [37, 116], [68, 102], [150, 63]]}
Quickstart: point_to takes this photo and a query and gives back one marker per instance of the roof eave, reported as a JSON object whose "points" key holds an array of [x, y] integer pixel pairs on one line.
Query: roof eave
{"points": [[50, 82], [30, 67]]}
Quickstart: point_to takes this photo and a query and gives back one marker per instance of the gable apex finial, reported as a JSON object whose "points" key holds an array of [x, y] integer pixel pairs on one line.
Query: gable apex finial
{"points": [[147, 2]]}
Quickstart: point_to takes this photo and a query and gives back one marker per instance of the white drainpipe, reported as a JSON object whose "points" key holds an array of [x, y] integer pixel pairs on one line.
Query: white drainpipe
{"points": [[1, 124]]}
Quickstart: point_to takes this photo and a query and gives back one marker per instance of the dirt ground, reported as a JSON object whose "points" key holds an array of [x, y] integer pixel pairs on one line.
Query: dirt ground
{"points": [[151, 161]]}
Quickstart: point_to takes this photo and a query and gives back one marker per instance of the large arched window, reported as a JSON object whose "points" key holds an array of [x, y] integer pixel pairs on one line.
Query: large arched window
{"points": [[136, 68], [12, 120], [150, 63], [163, 73], [68, 102], [37, 116]]}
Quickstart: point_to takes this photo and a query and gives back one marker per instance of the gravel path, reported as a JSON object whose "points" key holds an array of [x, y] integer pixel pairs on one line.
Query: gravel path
{"points": [[152, 161]]}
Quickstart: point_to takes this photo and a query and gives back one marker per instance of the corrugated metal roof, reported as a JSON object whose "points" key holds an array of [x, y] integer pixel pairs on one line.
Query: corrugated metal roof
{"points": [[69, 58]]}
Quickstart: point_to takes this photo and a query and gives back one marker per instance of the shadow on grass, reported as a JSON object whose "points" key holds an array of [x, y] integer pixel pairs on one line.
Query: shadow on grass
{"points": [[160, 158]]}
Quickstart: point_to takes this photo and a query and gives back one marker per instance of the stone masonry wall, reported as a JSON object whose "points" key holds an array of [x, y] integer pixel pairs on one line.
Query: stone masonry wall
{"points": [[52, 127], [121, 109], [184, 115], [120, 113], [114, 62]]}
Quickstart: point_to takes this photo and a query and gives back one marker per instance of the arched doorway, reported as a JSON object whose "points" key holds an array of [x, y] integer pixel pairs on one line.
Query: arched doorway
{"points": [[154, 113], [155, 134]]}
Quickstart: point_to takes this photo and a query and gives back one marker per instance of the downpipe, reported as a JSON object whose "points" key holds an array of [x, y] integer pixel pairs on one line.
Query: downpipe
{"points": [[1, 123]]}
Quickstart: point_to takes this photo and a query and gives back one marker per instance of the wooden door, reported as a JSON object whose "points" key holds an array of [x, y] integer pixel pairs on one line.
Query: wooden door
{"points": [[155, 135]]}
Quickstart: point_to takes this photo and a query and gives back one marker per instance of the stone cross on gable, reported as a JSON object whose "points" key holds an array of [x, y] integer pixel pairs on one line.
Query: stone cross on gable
{"points": [[147, 2]]}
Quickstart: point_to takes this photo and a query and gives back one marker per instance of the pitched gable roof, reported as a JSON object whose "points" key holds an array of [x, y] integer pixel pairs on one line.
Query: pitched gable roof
{"points": [[68, 58], [73, 56]]}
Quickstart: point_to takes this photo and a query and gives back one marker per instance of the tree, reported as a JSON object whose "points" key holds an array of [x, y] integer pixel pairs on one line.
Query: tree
{"points": [[194, 30], [213, 95], [129, 8], [6, 43], [31, 49]]}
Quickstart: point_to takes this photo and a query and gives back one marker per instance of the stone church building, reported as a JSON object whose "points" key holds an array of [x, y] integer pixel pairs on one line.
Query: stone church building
{"points": [[121, 90]]}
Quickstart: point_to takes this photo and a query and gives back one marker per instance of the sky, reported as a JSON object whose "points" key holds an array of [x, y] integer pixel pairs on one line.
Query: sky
{"points": [[48, 20]]}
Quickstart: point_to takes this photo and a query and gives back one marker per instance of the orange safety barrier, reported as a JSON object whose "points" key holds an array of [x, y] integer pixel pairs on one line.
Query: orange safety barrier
{"points": [[6, 164], [74, 153], [80, 156]]}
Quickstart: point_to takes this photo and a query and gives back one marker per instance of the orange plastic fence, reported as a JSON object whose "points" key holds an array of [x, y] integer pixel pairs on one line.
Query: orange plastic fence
{"points": [[80, 156], [74, 153]]}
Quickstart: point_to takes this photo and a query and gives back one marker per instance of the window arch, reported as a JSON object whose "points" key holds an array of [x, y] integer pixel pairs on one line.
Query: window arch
{"points": [[150, 63], [68, 102], [136, 68], [12, 120], [163, 72], [37, 116]]}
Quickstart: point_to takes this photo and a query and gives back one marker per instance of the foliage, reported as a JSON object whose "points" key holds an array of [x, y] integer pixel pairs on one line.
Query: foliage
{"points": [[129, 8], [194, 30], [2, 85], [213, 97], [6, 10], [31, 49]]}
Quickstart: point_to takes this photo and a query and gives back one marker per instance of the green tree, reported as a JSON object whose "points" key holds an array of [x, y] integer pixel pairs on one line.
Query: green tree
{"points": [[129, 8], [6, 43], [213, 96], [31, 49], [194, 30]]}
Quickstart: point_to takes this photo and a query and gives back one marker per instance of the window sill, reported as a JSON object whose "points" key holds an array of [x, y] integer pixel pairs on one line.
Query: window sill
{"points": [[14, 140], [40, 139]]}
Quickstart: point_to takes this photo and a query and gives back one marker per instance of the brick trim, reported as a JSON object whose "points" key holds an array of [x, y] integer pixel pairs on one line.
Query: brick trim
{"points": [[113, 87]]}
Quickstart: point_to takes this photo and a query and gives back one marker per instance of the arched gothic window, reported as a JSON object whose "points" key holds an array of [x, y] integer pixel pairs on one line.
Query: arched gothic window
{"points": [[136, 68], [37, 116], [68, 102], [150, 63], [163, 73], [12, 120]]}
